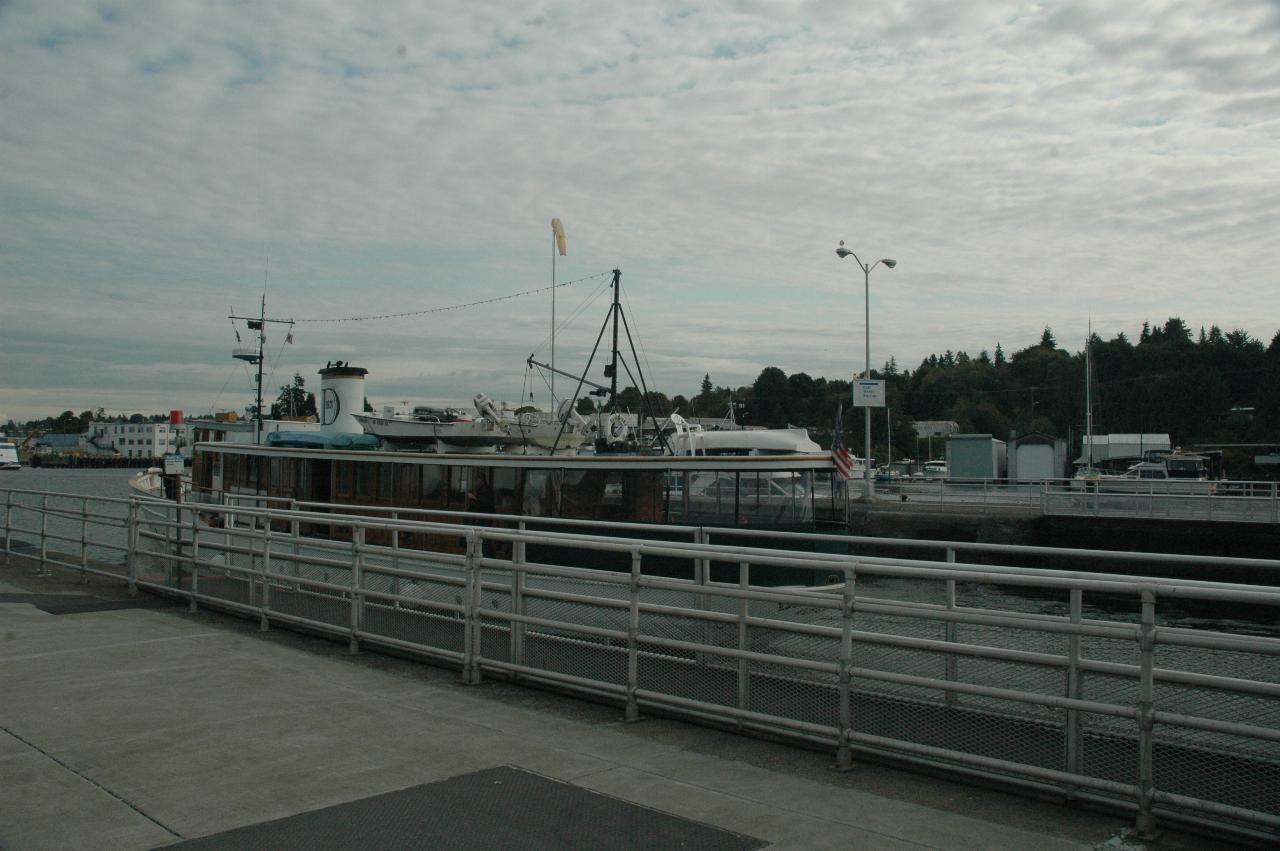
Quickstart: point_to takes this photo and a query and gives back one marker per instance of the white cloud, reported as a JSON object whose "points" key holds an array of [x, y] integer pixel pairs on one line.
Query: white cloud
{"points": [[1027, 164]]}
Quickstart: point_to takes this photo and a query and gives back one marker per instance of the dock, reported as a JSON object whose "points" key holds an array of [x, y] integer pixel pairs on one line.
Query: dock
{"points": [[129, 722]]}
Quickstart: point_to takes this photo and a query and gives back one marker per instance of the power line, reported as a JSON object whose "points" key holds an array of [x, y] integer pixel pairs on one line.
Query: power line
{"points": [[458, 306]]}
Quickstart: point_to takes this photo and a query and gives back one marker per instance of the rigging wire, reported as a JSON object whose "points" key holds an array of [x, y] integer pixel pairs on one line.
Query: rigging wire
{"points": [[458, 306], [643, 351], [587, 302]]}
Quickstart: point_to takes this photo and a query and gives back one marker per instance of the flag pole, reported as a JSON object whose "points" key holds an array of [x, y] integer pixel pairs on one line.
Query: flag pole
{"points": [[553, 314], [557, 246]]}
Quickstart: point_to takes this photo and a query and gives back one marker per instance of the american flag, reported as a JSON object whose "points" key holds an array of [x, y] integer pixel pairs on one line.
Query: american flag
{"points": [[839, 454]]}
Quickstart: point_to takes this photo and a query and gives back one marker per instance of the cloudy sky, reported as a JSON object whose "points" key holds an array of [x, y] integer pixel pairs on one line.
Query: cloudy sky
{"points": [[1027, 164]]}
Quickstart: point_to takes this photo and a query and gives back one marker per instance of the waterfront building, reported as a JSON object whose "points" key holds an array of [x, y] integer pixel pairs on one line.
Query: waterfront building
{"points": [[130, 440]]}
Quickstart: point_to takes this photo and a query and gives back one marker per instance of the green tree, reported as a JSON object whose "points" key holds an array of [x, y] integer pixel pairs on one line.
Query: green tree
{"points": [[294, 400], [770, 395]]}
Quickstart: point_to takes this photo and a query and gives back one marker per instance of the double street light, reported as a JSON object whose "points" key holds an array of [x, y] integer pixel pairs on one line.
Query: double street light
{"points": [[842, 253]]}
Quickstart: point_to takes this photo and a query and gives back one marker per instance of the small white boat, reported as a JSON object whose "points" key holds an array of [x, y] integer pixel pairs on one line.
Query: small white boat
{"points": [[150, 482], [935, 470], [9, 456], [691, 439], [446, 430]]}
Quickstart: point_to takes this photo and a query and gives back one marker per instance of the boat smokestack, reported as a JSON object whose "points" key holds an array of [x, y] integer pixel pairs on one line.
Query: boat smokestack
{"points": [[341, 395]]}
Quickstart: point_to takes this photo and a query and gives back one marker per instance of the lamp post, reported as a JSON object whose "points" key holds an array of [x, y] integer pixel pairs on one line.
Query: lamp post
{"points": [[842, 253]]}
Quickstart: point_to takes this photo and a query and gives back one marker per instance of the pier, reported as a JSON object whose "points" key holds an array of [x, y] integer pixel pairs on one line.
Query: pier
{"points": [[1091, 688]]}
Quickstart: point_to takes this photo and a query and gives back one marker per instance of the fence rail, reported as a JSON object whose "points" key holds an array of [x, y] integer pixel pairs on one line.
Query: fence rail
{"points": [[1161, 696]]}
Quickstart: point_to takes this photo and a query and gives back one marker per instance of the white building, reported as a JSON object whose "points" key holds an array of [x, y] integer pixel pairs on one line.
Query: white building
{"points": [[133, 440]]}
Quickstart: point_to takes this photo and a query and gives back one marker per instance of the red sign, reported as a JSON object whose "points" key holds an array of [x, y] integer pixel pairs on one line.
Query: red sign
{"points": [[175, 418]]}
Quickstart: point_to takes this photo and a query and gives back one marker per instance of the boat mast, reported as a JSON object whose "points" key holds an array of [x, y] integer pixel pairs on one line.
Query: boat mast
{"points": [[612, 370], [259, 324], [262, 342]]}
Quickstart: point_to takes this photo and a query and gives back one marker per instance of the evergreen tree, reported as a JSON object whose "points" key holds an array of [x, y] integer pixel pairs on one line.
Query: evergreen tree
{"points": [[294, 400]]}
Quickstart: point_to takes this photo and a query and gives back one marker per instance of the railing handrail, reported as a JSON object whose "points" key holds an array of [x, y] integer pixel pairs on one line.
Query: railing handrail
{"points": [[831, 639]]}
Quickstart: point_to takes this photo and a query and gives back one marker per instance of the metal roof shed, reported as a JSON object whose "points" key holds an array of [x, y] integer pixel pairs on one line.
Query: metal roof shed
{"points": [[975, 456]]}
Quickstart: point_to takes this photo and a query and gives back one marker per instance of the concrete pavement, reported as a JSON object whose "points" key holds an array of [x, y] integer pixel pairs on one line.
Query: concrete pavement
{"points": [[137, 728]]}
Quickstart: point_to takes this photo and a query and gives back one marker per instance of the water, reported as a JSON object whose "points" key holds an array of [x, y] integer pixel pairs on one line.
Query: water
{"points": [[106, 536], [113, 482]]}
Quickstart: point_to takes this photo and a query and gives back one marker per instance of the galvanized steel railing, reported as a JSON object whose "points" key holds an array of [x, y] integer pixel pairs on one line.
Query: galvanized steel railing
{"points": [[1097, 686]]}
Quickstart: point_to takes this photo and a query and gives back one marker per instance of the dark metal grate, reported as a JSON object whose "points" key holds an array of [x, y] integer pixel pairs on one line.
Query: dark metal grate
{"points": [[503, 807]]}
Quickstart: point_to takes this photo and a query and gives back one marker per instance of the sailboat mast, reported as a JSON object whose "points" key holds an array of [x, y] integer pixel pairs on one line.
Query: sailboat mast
{"points": [[262, 342], [613, 364]]}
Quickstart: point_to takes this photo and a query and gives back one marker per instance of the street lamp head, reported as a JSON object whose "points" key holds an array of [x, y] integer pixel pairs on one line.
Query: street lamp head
{"points": [[889, 263], [842, 251]]}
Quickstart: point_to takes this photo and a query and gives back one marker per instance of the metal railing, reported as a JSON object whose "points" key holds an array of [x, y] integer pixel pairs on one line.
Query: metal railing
{"points": [[1226, 502], [1147, 694]]}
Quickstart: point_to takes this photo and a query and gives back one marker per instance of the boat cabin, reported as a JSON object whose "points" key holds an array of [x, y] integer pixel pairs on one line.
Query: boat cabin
{"points": [[768, 491]]}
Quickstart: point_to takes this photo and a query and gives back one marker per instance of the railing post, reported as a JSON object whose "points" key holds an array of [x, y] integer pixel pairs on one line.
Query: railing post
{"points": [[744, 611], [295, 547], [195, 559], [1074, 740], [1146, 824], [357, 583], [633, 639], [84, 541], [264, 622], [1275, 504], [518, 551], [44, 531], [8, 525], [132, 553], [395, 557], [470, 652], [949, 633], [844, 748], [701, 566]]}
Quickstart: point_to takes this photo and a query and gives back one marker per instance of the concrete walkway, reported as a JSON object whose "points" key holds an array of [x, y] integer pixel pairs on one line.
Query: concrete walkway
{"points": [[138, 728]]}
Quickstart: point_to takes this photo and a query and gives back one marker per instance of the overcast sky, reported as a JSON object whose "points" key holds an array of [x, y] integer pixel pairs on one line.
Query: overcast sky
{"points": [[1027, 164]]}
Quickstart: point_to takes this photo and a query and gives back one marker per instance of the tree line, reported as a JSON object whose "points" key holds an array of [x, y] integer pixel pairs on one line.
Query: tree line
{"points": [[1210, 387]]}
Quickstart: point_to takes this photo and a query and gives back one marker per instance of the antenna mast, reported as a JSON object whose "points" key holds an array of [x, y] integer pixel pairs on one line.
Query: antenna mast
{"points": [[255, 356]]}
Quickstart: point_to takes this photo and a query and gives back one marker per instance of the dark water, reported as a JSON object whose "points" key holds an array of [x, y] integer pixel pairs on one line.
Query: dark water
{"points": [[105, 536], [113, 482]]}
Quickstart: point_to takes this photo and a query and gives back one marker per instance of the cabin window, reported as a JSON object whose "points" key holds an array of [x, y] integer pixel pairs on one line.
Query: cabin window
{"points": [[505, 486], [480, 496], [233, 472], [457, 486], [386, 482], [773, 498], [582, 494], [343, 480], [431, 488], [366, 476], [712, 498], [406, 492], [675, 486], [542, 493], [201, 473], [302, 484], [252, 472]]}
